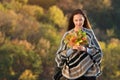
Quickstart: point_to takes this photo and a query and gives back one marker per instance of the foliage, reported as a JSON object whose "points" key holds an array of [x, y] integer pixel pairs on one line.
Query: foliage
{"points": [[110, 63], [22, 1], [49, 40], [15, 58], [14, 5], [65, 5], [17, 26], [76, 38], [34, 11], [43, 3], [46, 31], [1, 7], [27, 75], [2, 38], [57, 16]]}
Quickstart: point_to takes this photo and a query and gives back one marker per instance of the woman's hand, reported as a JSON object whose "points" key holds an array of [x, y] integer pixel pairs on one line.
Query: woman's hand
{"points": [[80, 48]]}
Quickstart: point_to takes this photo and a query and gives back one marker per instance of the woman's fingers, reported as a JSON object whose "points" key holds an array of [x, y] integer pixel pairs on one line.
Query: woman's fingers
{"points": [[80, 48]]}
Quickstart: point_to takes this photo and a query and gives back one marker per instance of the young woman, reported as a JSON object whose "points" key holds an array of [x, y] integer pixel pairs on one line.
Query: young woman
{"points": [[79, 62]]}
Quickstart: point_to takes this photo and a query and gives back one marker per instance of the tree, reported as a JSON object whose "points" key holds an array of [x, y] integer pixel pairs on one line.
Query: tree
{"points": [[111, 58], [15, 58], [57, 16], [43, 3]]}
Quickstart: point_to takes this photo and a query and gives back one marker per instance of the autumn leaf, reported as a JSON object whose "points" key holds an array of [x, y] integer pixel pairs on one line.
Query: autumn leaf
{"points": [[76, 38]]}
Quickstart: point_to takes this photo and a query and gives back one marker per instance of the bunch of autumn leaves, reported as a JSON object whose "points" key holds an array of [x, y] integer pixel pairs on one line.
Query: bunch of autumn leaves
{"points": [[76, 38]]}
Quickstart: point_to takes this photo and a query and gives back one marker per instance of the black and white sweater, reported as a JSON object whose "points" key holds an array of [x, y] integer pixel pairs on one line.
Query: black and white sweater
{"points": [[78, 63]]}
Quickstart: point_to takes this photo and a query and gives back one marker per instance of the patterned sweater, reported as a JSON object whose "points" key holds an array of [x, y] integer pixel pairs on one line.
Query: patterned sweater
{"points": [[75, 64]]}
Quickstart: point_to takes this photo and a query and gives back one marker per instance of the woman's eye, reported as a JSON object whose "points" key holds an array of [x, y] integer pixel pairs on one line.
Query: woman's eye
{"points": [[80, 20], [76, 20]]}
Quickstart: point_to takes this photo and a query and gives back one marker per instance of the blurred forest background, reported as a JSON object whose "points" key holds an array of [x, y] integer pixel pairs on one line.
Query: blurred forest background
{"points": [[31, 30]]}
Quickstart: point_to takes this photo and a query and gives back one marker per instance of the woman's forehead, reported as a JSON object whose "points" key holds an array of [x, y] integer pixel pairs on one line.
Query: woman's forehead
{"points": [[78, 16]]}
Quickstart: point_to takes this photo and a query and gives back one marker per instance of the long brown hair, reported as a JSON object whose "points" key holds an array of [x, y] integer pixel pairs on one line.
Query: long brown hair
{"points": [[86, 22]]}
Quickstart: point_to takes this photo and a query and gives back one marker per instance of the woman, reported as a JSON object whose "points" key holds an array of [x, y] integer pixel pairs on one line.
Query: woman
{"points": [[79, 62]]}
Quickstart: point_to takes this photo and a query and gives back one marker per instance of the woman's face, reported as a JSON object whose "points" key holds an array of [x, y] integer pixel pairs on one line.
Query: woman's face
{"points": [[78, 20]]}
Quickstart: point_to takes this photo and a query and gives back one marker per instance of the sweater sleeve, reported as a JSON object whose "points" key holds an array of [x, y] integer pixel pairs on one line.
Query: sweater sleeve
{"points": [[63, 53], [94, 49]]}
